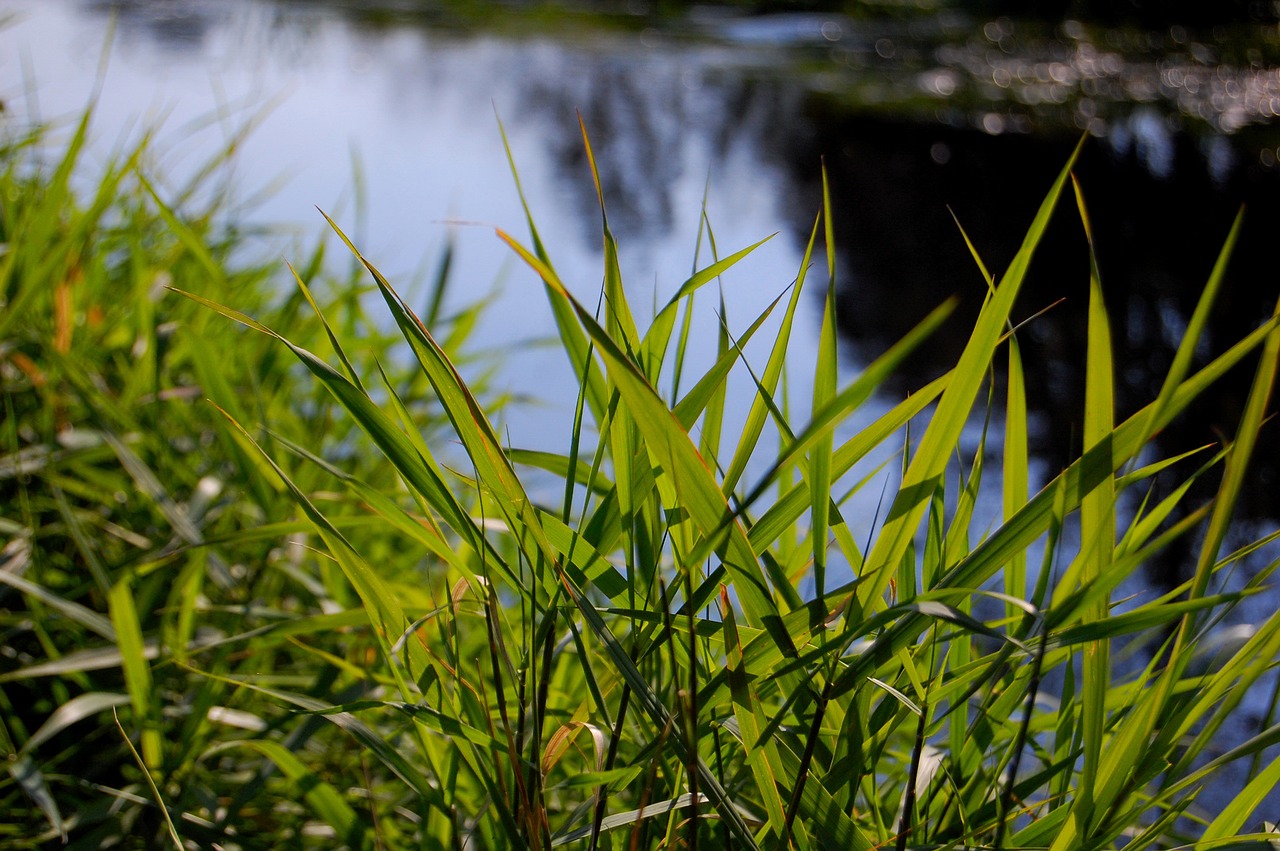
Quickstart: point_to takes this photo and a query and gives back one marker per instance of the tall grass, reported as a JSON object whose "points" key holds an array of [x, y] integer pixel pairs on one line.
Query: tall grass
{"points": [[139, 537], [359, 642]]}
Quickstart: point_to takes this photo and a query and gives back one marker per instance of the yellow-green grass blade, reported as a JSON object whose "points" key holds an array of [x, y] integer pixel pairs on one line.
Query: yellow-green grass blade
{"points": [[45, 225], [747, 712], [437, 720], [599, 572], [1068, 608], [1144, 619], [1254, 745], [713, 418], [575, 343], [377, 746], [821, 813], [191, 241], [754, 423], [792, 504], [422, 529], [1150, 519], [654, 345], [352, 375], [1258, 646], [1240, 456], [672, 453], [1182, 358], [630, 818], [618, 319], [1016, 468], [493, 468], [1084, 474], [1132, 750], [151, 784], [695, 402], [825, 381], [948, 421], [411, 431], [661, 717], [137, 670], [1237, 461], [563, 467], [1221, 691], [1097, 517], [841, 405], [686, 315]]}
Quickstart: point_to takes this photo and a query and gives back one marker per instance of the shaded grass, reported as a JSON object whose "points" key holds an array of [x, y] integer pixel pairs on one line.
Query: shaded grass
{"points": [[320, 632]]}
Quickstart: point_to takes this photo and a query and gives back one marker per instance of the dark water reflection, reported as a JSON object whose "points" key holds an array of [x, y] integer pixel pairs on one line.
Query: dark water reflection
{"points": [[1158, 236]]}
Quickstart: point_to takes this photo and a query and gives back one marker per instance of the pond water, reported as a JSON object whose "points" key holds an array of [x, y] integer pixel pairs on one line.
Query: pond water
{"points": [[413, 112], [388, 119]]}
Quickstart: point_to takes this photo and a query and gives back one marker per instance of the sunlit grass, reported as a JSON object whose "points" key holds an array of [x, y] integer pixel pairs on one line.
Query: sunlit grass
{"points": [[319, 631]]}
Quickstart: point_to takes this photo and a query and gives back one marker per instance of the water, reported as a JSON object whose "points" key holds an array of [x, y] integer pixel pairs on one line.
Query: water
{"points": [[390, 122], [915, 118], [414, 113]]}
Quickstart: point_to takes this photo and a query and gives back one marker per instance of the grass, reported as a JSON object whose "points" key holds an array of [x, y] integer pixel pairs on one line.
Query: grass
{"points": [[315, 630]]}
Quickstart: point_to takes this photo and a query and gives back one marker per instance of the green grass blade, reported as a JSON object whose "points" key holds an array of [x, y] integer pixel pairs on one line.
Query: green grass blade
{"points": [[618, 319], [948, 421], [1016, 468], [382, 608], [137, 670], [398, 448], [1240, 456], [654, 345], [472, 426], [825, 380], [1191, 337], [754, 423], [171, 829], [699, 397], [1097, 515], [575, 342]]}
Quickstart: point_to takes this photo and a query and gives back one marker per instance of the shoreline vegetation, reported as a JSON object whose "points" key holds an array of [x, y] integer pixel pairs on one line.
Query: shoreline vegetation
{"points": [[246, 602]]}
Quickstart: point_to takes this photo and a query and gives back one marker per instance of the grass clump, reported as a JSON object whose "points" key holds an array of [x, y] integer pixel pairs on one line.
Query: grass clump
{"points": [[139, 538], [447, 662]]}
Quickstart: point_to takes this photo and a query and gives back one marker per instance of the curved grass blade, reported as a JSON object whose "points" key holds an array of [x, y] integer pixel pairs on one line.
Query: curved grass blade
{"points": [[654, 344]]}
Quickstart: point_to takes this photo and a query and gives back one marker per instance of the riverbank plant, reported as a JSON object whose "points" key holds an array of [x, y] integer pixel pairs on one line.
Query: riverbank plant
{"points": [[256, 597]]}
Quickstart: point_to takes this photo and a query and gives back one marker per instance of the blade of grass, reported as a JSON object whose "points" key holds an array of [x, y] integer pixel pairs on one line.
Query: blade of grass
{"points": [[1097, 517], [171, 829], [137, 671], [953, 411]]}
